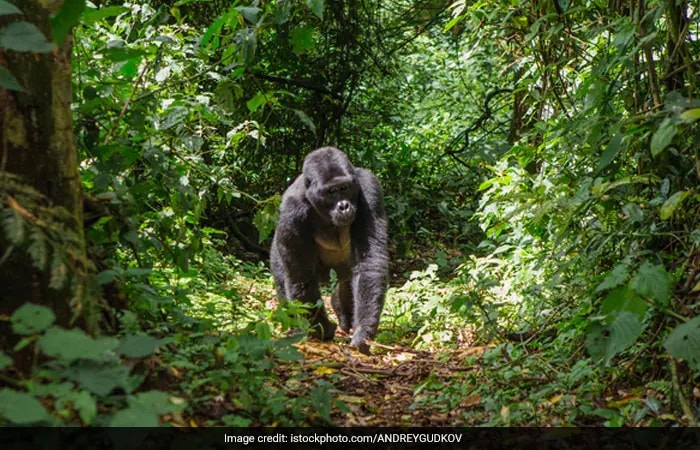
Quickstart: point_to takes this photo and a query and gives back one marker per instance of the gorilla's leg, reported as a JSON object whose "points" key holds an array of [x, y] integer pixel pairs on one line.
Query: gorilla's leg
{"points": [[308, 292], [343, 304], [368, 288]]}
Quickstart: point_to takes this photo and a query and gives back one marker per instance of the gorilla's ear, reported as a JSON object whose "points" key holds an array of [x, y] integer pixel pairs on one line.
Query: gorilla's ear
{"points": [[307, 182]]}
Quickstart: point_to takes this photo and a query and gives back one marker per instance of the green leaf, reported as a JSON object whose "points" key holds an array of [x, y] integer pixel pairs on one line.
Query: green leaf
{"points": [[605, 341], [288, 353], [250, 13], [684, 342], [623, 299], [31, 319], [663, 136], [652, 281], [21, 408], [5, 361], [118, 54], [670, 205], [91, 15], [63, 21], [256, 102], [86, 405], [615, 277], [73, 344], [302, 39], [633, 212], [24, 37], [134, 417], [316, 7], [9, 82], [611, 151], [8, 8], [455, 20], [101, 380], [321, 402], [157, 401], [213, 30], [306, 120], [265, 219], [691, 115], [175, 115], [138, 345], [106, 276]]}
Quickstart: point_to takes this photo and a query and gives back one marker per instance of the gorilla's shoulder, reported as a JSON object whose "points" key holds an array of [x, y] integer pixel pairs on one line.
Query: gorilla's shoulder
{"points": [[369, 183], [294, 202]]}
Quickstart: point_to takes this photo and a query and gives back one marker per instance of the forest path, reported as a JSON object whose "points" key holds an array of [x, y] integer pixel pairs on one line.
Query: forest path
{"points": [[395, 386]]}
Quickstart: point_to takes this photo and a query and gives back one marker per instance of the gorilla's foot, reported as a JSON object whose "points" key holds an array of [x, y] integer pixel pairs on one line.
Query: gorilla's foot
{"points": [[323, 331]]}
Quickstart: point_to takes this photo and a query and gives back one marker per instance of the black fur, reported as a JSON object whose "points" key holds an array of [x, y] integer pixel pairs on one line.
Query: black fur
{"points": [[332, 217]]}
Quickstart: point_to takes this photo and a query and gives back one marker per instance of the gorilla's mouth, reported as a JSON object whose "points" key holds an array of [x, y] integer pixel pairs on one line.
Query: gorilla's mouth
{"points": [[343, 218]]}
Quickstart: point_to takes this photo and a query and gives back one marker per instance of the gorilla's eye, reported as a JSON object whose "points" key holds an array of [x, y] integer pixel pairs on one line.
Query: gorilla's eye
{"points": [[337, 189]]}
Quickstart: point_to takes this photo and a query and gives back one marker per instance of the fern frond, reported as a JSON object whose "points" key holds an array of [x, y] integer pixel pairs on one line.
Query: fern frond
{"points": [[38, 248]]}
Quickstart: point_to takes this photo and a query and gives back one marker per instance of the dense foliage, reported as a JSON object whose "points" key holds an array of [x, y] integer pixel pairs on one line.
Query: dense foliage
{"points": [[540, 168]]}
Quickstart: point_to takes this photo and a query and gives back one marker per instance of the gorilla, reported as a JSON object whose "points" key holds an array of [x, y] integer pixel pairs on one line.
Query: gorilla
{"points": [[332, 217]]}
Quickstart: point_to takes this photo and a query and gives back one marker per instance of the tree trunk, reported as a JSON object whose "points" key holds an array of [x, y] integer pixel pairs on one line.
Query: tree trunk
{"points": [[37, 146]]}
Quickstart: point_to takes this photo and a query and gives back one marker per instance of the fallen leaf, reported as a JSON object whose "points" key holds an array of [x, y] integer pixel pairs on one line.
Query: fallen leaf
{"points": [[324, 370], [554, 400], [471, 400]]}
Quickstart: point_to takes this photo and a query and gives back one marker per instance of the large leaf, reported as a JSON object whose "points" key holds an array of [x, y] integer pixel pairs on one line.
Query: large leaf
{"points": [[70, 345], [302, 39], [250, 13], [138, 345], [652, 281], [663, 136], [21, 408], [91, 16], [8, 81], [316, 7], [691, 115], [670, 205], [684, 342], [63, 21], [134, 417], [85, 404], [321, 401], [24, 37], [605, 341], [624, 299], [144, 409], [5, 360], [8, 8], [256, 102], [213, 30], [615, 277], [31, 319], [157, 401], [175, 115], [306, 120], [610, 152], [101, 380]]}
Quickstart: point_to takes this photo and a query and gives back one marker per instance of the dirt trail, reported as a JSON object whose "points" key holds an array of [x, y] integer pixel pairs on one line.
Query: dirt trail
{"points": [[395, 386]]}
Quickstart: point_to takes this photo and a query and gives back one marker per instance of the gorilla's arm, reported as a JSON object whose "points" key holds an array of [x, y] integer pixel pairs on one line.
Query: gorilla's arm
{"points": [[294, 242], [370, 272]]}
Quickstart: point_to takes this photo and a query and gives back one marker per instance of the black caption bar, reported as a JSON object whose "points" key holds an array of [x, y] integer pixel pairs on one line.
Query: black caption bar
{"points": [[362, 438]]}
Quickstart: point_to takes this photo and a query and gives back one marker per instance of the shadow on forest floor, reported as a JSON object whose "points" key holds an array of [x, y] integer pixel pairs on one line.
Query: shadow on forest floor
{"points": [[387, 388]]}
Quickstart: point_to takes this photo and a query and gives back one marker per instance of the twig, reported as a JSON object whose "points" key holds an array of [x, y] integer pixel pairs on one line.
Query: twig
{"points": [[395, 348], [126, 104], [681, 398]]}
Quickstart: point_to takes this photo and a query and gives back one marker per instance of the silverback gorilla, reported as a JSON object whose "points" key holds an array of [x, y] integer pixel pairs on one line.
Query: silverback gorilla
{"points": [[332, 217]]}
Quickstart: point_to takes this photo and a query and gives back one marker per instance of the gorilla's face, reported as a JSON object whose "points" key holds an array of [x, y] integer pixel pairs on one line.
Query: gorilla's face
{"points": [[331, 187]]}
